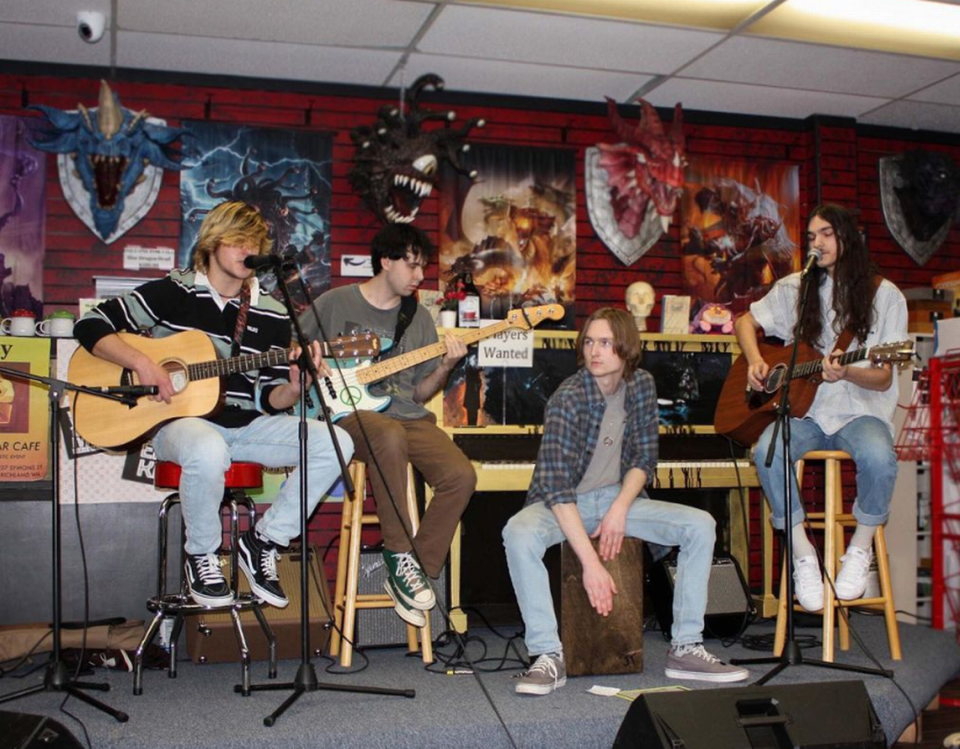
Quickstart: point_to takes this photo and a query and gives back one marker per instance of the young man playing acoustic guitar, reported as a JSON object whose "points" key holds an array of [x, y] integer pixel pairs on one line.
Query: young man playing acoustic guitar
{"points": [[599, 451], [405, 432], [853, 408], [211, 298]]}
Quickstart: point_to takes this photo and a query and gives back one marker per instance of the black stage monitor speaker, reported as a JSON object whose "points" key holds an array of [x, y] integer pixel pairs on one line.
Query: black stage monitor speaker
{"points": [[798, 716], [729, 604], [26, 731]]}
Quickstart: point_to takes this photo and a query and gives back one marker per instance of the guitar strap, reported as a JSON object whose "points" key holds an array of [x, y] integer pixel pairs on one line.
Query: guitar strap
{"points": [[408, 308], [241, 318]]}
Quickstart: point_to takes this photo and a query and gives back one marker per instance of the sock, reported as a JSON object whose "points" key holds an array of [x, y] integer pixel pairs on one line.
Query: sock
{"points": [[863, 536], [801, 543]]}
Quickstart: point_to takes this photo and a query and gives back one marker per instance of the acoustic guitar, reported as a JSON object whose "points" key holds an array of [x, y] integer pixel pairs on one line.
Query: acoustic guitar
{"points": [[348, 385], [191, 361], [743, 413]]}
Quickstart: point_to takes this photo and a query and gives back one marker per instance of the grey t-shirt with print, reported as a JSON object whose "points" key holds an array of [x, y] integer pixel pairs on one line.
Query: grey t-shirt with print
{"points": [[345, 311]]}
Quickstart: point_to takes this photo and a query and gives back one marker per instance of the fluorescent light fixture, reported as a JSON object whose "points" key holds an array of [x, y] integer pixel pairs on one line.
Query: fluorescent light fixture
{"points": [[720, 15], [914, 27]]}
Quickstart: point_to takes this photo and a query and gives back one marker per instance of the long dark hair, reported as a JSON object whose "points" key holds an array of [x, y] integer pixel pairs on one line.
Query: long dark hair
{"points": [[853, 281]]}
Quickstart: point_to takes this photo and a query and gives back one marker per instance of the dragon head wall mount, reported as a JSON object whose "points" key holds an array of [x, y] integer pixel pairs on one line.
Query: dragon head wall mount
{"points": [[633, 187], [105, 154], [396, 160]]}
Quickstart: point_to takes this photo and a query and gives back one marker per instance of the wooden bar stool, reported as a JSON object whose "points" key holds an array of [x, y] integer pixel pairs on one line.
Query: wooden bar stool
{"points": [[832, 521], [347, 598], [238, 478]]}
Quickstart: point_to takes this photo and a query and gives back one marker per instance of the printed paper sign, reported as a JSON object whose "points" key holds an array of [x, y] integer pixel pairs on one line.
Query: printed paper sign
{"points": [[509, 348]]}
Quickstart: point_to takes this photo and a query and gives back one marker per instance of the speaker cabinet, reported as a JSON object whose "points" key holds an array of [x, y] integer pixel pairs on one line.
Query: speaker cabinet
{"points": [[383, 626], [729, 604], [797, 716], [26, 731]]}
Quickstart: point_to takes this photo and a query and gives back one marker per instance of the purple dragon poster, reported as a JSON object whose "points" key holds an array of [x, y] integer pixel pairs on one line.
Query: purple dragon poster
{"points": [[22, 214], [284, 173]]}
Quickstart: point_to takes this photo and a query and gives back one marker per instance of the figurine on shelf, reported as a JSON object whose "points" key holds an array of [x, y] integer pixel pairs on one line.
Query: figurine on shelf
{"points": [[713, 318], [640, 298]]}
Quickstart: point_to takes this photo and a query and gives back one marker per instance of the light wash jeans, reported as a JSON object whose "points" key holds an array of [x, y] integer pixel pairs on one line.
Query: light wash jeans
{"points": [[534, 529], [870, 444], [204, 451]]}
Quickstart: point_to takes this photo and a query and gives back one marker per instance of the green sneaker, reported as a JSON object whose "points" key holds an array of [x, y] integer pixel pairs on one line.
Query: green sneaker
{"points": [[409, 614], [408, 581]]}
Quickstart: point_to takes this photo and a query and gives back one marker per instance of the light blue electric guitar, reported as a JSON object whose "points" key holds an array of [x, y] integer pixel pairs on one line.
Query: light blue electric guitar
{"points": [[347, 387]]}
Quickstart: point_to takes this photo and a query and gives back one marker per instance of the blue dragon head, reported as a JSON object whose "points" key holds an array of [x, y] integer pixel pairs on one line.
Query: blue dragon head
{"points": [[111, 147]]}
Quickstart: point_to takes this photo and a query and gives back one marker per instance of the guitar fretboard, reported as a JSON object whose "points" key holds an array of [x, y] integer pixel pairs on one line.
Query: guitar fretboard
{"points": [[807, 368], [242, 363]]}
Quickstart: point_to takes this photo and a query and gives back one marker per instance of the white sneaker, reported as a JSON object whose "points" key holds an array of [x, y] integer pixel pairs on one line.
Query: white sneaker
{"points": [[852, 580], [808, 583]]}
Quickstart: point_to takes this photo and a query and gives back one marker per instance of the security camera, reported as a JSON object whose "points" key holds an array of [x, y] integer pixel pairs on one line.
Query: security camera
{"points": [[91, 25]]}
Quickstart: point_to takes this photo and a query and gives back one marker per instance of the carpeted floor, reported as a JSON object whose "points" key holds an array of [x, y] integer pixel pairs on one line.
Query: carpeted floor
{"points": [[199, 709]]}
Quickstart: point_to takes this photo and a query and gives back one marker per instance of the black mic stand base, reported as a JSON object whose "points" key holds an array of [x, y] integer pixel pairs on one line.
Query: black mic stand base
{"points": [[792, 656], [57, 679], [306, 681]]}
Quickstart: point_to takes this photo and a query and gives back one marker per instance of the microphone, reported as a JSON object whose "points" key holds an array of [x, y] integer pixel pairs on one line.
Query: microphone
{"points": [[261, 262], [137, 391], [812, 257]]}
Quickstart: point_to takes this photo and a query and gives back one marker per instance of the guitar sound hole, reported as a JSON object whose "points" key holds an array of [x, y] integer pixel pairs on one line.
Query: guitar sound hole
{"points": [[774, 379], [178, 375]]}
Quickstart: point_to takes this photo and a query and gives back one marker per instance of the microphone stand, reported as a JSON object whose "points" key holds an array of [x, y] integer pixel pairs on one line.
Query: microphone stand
{"points": [[306, 678], [57, 677], [792, 655]]}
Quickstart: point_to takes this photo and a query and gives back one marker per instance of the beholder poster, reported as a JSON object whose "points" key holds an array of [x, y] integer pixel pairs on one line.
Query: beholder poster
{"points": [[740, 230], [24, 410]]}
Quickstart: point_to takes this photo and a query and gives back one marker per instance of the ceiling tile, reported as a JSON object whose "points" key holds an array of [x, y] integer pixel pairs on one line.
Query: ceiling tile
{"points": [[916, 116], [573, 41], [522, 79], [355, 23], [945, 92], [259, 59], [811, 66], [57, 44], [48, 12], [761, 100]]}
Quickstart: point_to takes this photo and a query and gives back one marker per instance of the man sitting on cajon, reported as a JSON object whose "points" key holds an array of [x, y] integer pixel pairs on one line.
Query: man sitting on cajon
{"points": [[598, 452]]}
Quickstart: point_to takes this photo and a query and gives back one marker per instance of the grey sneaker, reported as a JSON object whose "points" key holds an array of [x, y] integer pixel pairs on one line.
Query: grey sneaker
{"points": [[546, 674], [694, 662]]}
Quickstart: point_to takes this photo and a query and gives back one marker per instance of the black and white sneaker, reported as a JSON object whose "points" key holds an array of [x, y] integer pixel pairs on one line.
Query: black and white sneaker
{"points": [[258, 560], [205, 580]]}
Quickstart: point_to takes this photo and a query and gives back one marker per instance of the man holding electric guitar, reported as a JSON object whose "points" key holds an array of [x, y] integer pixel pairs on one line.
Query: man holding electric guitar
{"points": [[852, 410], [220, 298], [400, 430]]}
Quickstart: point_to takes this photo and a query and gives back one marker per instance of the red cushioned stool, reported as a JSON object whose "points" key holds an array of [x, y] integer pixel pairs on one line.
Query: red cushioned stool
{"points": [[238, 478]]}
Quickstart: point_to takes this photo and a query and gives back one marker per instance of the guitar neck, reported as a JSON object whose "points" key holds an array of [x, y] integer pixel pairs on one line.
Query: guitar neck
{"points": [[405, 361], [807, 368], [243, 363]]}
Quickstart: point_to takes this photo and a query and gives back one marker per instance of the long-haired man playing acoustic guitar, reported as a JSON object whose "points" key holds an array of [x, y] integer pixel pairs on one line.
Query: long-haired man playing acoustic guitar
{"points": [[853, 408], [221, 297], [405, 432]]}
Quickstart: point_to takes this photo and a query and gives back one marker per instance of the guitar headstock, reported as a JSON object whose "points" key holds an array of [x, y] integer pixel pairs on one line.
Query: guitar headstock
{"points": [[530, 317], [899, 353], [356, 346]]}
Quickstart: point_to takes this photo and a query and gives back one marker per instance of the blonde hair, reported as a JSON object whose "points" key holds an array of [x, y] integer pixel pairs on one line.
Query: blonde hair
{"points": [[626, 340], [230, 223]]}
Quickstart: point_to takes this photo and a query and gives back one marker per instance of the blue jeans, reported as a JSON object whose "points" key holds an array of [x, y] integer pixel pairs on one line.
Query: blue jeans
{"points": [[204, 451], [534, 529], [870, 444]]}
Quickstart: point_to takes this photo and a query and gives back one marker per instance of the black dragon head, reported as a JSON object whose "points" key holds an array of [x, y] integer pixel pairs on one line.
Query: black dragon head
{"points": [[396, 162]]}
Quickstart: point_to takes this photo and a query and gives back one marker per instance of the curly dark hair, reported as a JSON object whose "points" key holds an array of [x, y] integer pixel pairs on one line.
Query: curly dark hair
{"points": [[854, 282]]}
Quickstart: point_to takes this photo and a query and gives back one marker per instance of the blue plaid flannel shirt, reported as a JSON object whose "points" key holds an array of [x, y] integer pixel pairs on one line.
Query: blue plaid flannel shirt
{"points": [[571, 429]]}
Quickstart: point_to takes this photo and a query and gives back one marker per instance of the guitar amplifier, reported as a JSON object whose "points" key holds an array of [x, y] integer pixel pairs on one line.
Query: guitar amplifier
{"points": [[383, 626]]}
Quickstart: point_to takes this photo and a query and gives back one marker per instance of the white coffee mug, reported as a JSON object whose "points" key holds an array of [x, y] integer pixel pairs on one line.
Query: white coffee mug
{"points": [[57, 327], [20, 325]]}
